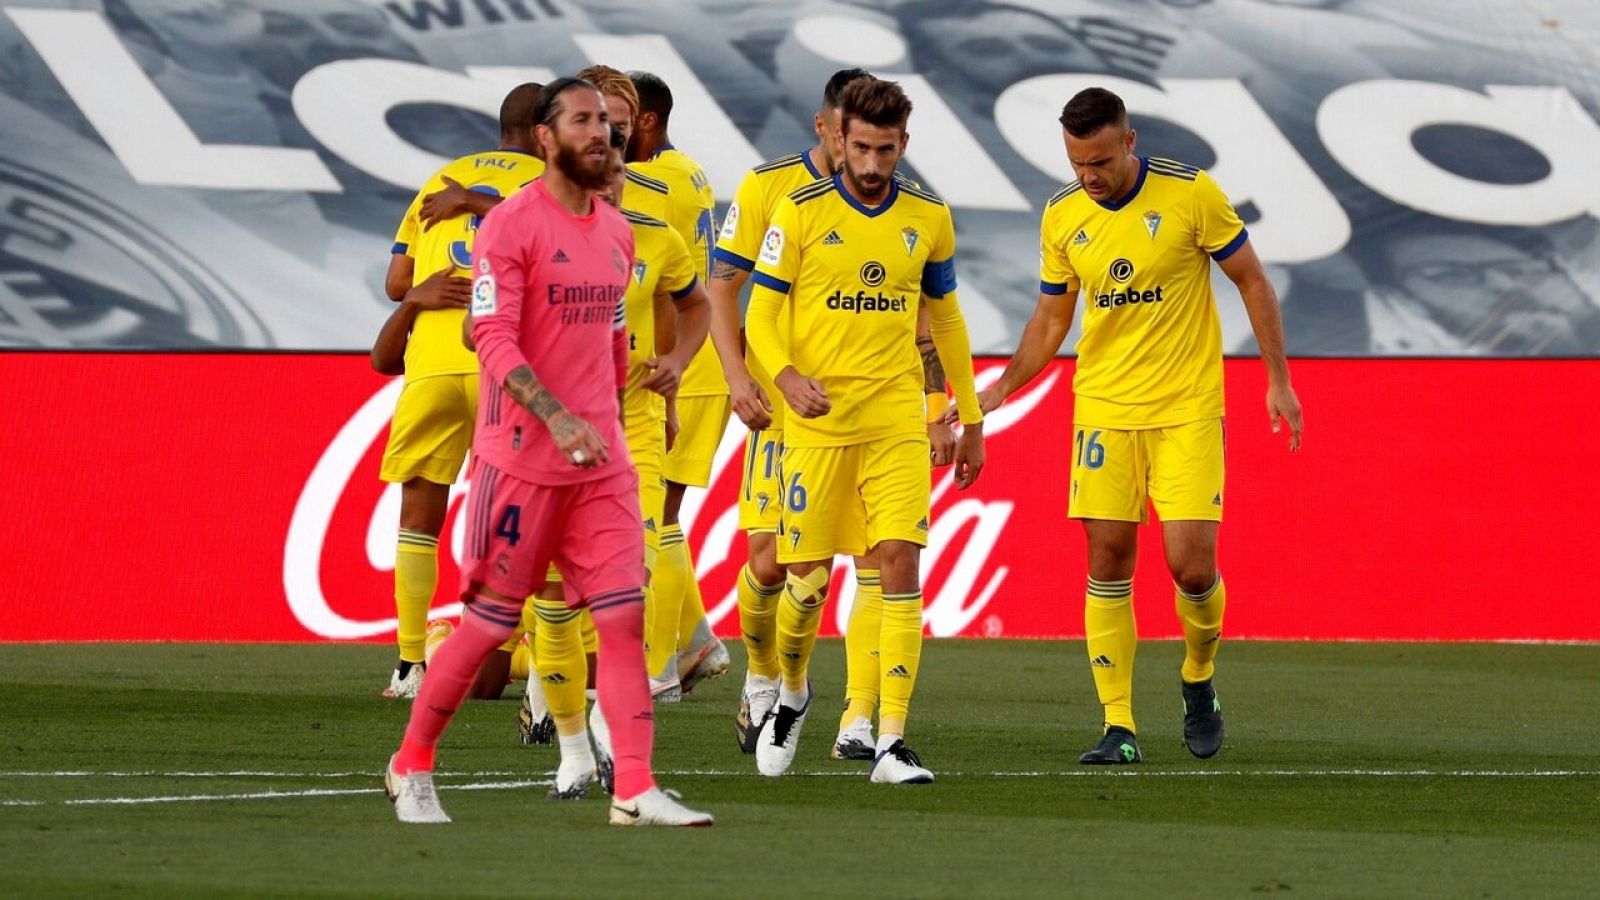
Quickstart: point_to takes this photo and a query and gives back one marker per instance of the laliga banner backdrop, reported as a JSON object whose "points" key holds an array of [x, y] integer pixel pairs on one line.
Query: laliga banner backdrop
{"points": [[1420, 177], [235, 497]]}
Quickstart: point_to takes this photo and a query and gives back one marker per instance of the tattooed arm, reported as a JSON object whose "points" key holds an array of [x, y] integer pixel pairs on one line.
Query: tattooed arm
{"points": [[749, 403], [941, 437]]}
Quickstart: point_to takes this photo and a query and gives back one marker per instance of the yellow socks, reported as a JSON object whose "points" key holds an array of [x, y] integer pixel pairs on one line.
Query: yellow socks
{"points": [[669, 585], [861, 637], [899, 650], [1112, 638], [562, 668], [758, 620], [693, 629], [416, 575], [799, 615], [1201, 615]]}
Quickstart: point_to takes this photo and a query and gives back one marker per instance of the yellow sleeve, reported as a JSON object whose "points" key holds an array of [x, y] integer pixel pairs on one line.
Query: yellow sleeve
{"points": [[1056, 275], [948, 327], [679, 274], [739, 242], [777, 264], [1218, 230], [405, 238]]}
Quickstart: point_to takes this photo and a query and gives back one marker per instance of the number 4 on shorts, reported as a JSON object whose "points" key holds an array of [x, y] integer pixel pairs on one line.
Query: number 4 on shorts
{"points": [[509, 527]]}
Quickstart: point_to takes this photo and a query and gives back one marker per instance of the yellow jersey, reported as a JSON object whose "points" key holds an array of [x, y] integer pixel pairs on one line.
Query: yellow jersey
{"points": [[847, 278], [661, 264], [1151, 351], [743, 226], [434, 347], [688, 207]]}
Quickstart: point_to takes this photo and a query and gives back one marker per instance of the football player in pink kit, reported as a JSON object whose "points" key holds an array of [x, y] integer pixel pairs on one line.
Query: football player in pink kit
{"points": [[553, 481]]}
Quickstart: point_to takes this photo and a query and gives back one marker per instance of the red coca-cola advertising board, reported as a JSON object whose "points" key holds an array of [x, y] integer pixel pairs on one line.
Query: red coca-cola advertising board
{"points": [[236, 498]]}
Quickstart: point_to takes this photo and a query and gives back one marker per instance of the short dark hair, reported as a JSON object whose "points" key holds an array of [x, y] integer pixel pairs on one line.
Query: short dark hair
{"points": [[875, 102], [548, 106], [516, 110], [836, 85], [654, 95], [1092, 109]]}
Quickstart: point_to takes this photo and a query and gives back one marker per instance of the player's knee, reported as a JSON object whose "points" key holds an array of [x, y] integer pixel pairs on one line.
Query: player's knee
{"points": [[1194, 577], [766, 569]]}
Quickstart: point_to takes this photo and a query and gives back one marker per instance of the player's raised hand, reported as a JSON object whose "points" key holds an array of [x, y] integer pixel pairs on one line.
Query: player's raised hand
{"points": [[1283, 406], [577, 440], [941, 443], [666, 375], [441, 290], [805, 396], [447, 203], [750, 404], [969, 455]]}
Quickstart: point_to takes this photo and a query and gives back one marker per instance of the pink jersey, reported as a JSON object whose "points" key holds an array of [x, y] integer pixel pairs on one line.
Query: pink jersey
{"points": [[549, 295]]}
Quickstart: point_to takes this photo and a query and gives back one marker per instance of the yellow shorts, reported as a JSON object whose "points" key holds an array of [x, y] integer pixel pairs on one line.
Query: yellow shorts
{"points": [[432, 429], [760, 500], [647, 444], [845, 500], [1117, 475], [700, 421]]}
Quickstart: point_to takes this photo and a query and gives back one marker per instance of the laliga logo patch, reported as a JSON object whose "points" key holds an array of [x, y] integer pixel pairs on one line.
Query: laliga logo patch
{"points": [[730, 223], [483, 295], [772, 246], [1121, 271], [872, 274]]}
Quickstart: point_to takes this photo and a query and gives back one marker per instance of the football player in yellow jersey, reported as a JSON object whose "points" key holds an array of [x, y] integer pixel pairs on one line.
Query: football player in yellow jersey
{"points": [[1136, 236], [664, 272], [676, 192], [844, 260], [760, 407], [433, 419], [683, 651]]}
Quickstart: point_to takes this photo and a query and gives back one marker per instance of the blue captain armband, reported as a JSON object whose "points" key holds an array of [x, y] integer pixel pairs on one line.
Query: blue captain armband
{"points": [[939, 278]]}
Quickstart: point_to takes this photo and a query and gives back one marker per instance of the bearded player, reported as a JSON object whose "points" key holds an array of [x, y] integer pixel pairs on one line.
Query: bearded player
{"points": [[845, 260], [554, 483]]}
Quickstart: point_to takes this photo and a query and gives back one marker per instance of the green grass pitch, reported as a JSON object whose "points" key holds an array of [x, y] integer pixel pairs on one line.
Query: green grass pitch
{"points": [[1349, 770]]}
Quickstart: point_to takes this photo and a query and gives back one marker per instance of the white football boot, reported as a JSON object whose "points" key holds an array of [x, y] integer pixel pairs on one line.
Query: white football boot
{"points": [[898, 764], [855, 740], [657, 807], [405, 688], [577, 770], [703, 662], [666, 690], [756, 701], [413, 796], [600, 732], [780, 737]]}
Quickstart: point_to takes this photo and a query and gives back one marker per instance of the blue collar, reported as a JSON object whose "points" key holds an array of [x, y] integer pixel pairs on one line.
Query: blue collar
{"points": [[662, 149], [513, 150], [805, 157], [1144, 169], [868, 211]]}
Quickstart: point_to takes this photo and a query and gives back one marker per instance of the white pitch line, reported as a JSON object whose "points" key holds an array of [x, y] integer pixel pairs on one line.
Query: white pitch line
{"points": [[265, 795], [843, 773]]}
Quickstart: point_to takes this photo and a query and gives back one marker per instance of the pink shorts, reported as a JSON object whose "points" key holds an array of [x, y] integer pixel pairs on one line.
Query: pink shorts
{"points": [[590, 531]]}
